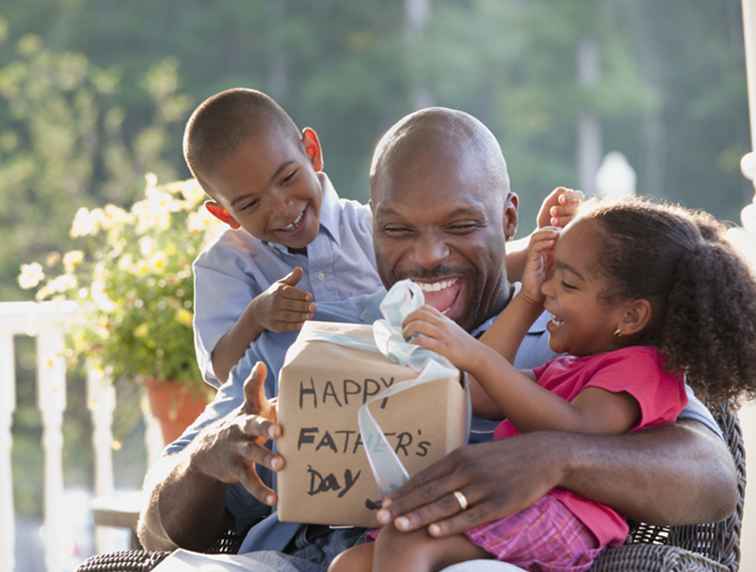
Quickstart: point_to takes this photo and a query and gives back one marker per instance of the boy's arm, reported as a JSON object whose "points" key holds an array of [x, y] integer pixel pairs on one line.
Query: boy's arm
{"points": [[280, 308], [232, 345]]}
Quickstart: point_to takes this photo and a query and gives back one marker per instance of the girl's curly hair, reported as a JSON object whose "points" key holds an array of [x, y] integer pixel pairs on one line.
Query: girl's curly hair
{"points": [[702, 293]]}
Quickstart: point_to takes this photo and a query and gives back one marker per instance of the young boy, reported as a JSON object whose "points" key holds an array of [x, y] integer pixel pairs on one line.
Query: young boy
{"points": [[292, 240]]}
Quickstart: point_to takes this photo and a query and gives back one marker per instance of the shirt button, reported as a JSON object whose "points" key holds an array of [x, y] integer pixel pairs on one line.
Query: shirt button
{"points": [[321, 275]]}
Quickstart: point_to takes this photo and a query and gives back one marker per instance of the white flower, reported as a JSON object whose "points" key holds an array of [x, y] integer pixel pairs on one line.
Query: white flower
{"points": [[146, 245], [100, 298], [84, 224], [158, 262], [31, 275], [126, 263], [72, 259], [114, 216], [150, 180], [151, 213], [198, 221], [42, 293], [62, 284], [202, 221], [192, 192]]}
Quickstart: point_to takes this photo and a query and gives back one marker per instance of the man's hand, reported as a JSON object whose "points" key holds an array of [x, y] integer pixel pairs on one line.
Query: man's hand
{"points": [[430, 329], [283, 307], [497, 479], [559, 207], [230, 450]]}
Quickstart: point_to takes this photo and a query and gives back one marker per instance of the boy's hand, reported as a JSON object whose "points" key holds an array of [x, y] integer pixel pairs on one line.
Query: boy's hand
{"points": [[559, 207], [430, 329], [538, 263], [282, 307]]}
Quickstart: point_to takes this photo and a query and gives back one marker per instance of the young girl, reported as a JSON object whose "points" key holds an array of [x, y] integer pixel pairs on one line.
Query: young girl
{"points": [[641, 294]]}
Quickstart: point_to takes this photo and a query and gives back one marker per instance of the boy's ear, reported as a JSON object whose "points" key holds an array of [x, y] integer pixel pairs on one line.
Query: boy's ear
{"points": [[221, 214], [312, 148], [636, 317]]}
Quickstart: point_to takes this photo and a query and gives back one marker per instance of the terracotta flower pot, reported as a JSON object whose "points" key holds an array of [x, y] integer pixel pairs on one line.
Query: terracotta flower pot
{"points": [[174, 405]]}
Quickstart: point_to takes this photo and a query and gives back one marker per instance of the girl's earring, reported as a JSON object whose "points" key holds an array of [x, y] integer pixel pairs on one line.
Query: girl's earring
{"points": [[618, 332]]}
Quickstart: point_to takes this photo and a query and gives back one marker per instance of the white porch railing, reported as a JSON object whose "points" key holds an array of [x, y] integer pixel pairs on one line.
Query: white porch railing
{"points": [[46, 322]]}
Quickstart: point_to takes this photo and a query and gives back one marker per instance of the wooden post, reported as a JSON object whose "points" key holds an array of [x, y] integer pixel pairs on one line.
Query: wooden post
{"points": [[7, 406], [51, 400]]}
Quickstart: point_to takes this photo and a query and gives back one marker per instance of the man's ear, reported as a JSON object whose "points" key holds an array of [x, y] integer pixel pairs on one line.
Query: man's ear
{"points": [[511, 204], [636, 317], [312, 148], [221, 214]]}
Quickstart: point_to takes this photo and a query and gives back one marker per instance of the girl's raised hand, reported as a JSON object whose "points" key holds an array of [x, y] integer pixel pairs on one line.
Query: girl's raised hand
{"points": [[430, 329], [559, 207], [539, 261]]}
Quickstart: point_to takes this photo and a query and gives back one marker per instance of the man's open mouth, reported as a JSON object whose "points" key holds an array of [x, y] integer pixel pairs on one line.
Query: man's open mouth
{"points": [[442, 293]]}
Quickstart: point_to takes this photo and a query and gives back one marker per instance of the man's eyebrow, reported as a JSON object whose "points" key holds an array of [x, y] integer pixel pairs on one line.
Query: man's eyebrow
{"points": [[272, 178], [383, 210], [467, 211], [564, 266]]}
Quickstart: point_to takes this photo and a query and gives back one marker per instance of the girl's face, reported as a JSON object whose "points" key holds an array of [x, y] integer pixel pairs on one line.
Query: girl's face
{"points": [[583, 322]]}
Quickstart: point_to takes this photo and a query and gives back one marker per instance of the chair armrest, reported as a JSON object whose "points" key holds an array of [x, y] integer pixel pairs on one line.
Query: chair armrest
{"points": [[654, 557], [123, 561]]}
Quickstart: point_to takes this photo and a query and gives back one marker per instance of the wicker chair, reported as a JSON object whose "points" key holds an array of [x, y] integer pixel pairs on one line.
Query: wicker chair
{"points": [[692, 548]]}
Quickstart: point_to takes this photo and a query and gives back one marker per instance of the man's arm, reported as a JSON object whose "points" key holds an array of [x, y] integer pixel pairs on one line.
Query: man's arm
{"points": [[676, 474], [178, 495], [185, 492]]}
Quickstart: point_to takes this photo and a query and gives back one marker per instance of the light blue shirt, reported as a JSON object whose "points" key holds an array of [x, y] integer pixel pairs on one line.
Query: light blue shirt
{"points": [[340, 264]]}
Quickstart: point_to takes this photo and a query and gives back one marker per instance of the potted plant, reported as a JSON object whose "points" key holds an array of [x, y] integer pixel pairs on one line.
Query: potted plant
{"points": [[131, 273]]}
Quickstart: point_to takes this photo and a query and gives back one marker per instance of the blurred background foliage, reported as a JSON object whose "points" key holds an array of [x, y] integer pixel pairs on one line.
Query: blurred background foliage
{"points": [[94, 93]]}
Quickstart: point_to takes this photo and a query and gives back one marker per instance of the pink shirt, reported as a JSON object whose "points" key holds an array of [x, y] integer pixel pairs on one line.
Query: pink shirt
{"points": [[636, 370]]}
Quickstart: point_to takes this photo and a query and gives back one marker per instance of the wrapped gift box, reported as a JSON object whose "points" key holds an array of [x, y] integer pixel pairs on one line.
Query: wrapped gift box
{"points": [[322, 385]]}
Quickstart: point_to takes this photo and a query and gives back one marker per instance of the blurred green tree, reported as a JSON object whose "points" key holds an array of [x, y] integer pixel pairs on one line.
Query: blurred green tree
{"points": [[64, 143]]}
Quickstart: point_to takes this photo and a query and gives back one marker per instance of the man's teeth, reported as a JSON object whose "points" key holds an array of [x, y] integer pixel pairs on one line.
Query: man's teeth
{"points": [[436, 286], [557, 321]]}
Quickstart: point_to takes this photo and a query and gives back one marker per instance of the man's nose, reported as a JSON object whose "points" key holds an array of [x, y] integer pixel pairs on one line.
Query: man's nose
{"points": [[430, 251]]}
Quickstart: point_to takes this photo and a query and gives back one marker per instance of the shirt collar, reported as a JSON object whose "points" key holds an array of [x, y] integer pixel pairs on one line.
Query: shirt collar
{"points": [[329, 209]]}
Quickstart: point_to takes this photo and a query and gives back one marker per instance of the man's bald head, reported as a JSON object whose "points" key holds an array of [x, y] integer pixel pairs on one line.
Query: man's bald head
{"points": [[223, 121], [439, 135], [442, 207]]}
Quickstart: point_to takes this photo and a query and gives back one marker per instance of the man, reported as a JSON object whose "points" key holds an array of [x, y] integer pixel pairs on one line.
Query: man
{"points": [[441, 199]]}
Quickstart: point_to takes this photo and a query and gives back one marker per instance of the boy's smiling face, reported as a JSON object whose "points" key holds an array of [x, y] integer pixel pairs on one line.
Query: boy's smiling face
{"points": [[269, 186]]}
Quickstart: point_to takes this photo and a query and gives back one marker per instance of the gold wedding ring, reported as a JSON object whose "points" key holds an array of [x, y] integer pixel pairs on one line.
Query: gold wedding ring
{"points": [[461, 499]]}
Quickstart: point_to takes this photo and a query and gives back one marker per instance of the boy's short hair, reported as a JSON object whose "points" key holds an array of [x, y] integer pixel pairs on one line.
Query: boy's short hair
{"points": [[219, 124]]}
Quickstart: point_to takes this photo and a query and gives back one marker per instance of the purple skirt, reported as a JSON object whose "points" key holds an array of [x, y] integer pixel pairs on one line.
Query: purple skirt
{"points": [[545, 537]]}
